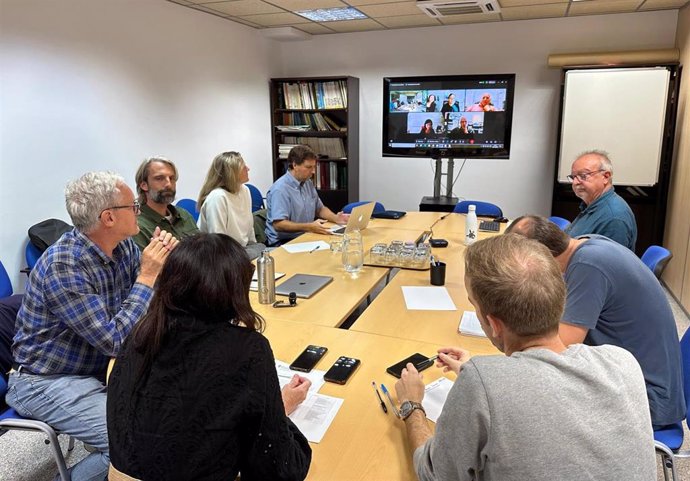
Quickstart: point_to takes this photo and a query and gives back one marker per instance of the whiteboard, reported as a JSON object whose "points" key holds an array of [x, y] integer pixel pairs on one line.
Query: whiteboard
{"points": [[621, 111]]}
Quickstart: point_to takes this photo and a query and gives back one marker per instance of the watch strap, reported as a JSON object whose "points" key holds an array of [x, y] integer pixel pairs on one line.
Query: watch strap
{"points": [[413, 406]]}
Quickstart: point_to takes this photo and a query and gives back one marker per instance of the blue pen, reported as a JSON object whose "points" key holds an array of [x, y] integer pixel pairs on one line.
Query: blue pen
{"points": [[388, 396]]}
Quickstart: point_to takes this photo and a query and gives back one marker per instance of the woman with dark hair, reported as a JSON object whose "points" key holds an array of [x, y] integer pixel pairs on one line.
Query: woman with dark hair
{"points": [[427, 128], [431, 103], [194, 393]]}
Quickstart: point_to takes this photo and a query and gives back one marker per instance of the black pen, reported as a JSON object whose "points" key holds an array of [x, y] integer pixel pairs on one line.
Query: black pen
{"points": [[315, 248], [426, 363], [378, 395]]}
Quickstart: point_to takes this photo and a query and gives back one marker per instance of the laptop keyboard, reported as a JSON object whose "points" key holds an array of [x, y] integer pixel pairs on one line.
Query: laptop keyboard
{"points": [[490, 226]]}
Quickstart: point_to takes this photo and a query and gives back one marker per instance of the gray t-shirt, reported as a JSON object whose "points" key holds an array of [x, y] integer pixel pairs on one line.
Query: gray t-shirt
{"points": [[539, 416], [613, 294]]}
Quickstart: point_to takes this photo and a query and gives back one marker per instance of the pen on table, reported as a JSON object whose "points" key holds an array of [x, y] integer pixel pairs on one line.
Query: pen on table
{"points": [[314, 249], [378, 395], [388, 396], [426, 363]]}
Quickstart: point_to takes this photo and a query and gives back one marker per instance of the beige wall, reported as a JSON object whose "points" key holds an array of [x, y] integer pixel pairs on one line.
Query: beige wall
{"points": [[677, 238]]}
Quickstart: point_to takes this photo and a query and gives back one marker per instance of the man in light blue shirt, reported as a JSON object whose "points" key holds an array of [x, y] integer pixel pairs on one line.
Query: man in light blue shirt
{"points": [[602, 211], [293, 204]]}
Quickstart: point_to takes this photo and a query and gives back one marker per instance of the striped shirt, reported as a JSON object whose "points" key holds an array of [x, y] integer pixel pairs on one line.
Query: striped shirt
{"points": [[79, 307]]}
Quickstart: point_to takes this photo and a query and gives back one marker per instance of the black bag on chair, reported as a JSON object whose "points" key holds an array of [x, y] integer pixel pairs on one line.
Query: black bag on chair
{"points": [[44, 234]]}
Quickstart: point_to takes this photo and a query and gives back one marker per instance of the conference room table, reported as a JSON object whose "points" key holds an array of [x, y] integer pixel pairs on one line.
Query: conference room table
{"points": [[388, 315], [363, 442]]}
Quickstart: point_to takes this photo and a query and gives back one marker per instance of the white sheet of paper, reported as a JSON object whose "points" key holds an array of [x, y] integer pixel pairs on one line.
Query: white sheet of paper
{"points": [[469, 324], [435, 395], [428, 299], [285, 374], [315, 415], [307, 247]]}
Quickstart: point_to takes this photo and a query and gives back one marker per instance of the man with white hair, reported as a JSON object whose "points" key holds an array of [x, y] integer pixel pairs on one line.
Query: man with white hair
{"points": [[84, 296], [602, 211]]}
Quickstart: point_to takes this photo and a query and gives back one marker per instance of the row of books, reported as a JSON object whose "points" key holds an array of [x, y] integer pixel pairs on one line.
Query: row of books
{"points": [[328, 175], [331, 175], [316, 120], [313, 95], [324, 147]]}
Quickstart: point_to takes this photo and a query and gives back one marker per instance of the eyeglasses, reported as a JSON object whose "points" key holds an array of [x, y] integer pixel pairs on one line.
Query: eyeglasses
{"points": [[136, 208], [583, 176]]}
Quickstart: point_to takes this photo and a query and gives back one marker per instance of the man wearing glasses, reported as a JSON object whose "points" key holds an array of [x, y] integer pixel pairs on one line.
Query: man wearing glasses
{"points": [[84, 296], [156, 181], [602, 211]]}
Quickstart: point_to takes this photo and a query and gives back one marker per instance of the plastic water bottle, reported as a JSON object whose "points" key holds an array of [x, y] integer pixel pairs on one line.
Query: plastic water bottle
{"points": [[266, 271], [471, 225], [353, 251]]}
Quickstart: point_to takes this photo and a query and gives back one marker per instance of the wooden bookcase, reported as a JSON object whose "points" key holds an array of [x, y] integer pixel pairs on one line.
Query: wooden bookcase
{"points": [[328, 110]]}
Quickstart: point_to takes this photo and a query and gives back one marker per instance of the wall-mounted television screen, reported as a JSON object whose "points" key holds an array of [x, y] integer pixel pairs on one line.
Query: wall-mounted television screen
{"points": [[454, 116]]}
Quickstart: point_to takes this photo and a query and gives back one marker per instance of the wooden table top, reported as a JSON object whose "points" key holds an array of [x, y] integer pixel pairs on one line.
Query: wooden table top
{"points": [[362, 443], [336, 301]]}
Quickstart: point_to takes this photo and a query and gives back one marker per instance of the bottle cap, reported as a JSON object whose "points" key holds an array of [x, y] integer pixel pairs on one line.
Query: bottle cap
{"points": [[471, 208]]}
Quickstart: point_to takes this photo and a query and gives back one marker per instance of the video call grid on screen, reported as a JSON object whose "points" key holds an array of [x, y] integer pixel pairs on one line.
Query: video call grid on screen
{"points": [[462, 115], [445, 117]]}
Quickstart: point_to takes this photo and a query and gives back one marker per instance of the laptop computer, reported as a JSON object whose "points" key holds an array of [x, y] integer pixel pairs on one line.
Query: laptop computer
{"points": [[359, 219], [303, 285]]}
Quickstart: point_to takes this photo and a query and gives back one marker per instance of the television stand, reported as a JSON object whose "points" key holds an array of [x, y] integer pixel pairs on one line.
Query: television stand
{"points": [[437, 204]]}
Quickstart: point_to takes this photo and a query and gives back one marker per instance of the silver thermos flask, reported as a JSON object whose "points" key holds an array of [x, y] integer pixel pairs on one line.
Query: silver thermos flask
{"points": [[266, 271]]}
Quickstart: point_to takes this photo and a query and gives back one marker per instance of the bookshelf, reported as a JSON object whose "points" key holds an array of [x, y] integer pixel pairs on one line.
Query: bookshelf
{"points": [[323, 113]]}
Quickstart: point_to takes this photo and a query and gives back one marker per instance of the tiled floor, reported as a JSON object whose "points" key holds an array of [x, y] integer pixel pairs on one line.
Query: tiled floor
{"points": [[24, 456]]}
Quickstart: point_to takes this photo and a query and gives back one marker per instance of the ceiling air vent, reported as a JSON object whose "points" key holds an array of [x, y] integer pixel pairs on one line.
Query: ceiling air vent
{"points": [[450, 8]]}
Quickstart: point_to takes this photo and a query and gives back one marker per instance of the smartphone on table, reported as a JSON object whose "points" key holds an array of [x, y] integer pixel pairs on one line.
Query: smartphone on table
{"points": [[341, 370], [306, 361], [416, 359]]}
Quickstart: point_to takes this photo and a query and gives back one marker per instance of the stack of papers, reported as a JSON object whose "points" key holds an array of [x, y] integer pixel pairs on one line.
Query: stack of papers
{"points": [[317, 412], [469, 324], [427, 299]]}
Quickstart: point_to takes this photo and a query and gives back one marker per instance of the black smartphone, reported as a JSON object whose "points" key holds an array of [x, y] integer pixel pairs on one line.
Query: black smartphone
{"points": [[341, 370], [438, 243], [306, 361], [415, 359]]}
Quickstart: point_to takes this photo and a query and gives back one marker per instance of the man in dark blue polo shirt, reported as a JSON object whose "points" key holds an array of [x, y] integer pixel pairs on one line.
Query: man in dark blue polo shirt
{"points": [[602, 211], [613, 298]]}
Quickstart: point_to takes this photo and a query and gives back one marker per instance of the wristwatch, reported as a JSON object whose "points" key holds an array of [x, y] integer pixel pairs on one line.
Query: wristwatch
{"points": [[408, 407]]}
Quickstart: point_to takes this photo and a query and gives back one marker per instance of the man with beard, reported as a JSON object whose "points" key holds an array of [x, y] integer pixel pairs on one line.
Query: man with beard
{"points": [[602, 211], [156, 181]]}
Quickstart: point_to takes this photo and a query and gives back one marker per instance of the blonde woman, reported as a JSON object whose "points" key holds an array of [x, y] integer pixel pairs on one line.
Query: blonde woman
{"points": [[225, 204]]}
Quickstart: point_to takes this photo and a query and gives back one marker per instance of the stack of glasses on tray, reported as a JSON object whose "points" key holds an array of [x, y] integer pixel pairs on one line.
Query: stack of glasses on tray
{"points": [[401, 254]]}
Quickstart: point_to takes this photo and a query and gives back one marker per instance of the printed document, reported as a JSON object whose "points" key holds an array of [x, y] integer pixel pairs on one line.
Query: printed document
{"points": [[435, 395], [285, 374], [315, 415]]}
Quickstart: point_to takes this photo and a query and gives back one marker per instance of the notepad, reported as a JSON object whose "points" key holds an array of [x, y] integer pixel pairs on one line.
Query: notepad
{"points": [[469, 324], [314, 246], [254, 285]]}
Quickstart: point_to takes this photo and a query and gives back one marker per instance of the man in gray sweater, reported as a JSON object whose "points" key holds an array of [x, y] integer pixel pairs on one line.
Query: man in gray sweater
{"points": [[543, 411]]}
